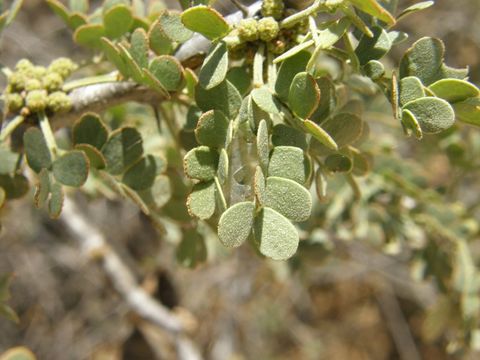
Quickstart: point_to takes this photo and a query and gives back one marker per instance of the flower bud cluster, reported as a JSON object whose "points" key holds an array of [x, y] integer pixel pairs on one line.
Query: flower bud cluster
{"points": [[33, 88], [265, 29], [273, 8]]}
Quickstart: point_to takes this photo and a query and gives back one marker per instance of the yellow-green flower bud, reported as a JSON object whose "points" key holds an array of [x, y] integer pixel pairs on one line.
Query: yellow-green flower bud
{"points": [[23, 65], [36, 100], [59, 102], [33, 84], [14, 102], [63, 66], [268, 28], [38, 72], [52, 81], [247, 30], [17, 81], [273, 8]]}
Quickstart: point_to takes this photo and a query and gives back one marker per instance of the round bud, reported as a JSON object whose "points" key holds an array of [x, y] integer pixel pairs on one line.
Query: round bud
{"points": [[23, 64], [59, 102], [33, 84], [14, 102], [63, 66], [273, 8], [38, 72], [17, 81], [247, 30], [36, 100], [52, 81], [268, 28]]}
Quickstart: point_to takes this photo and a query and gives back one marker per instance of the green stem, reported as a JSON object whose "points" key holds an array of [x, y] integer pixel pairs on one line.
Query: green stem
{"points": [[221, 195], [299, 16], [314, 30], [271, 71], [258, 66], [11, 126], [92, 80], [48, 134]]}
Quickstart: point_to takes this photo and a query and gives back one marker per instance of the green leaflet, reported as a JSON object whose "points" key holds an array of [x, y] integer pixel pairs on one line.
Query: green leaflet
{"points": [[192, 250], [454, 90], [89, 35], [117, 20], [201, 202], [287, 71], [212, 129], [158, 39], [410, 124], [468, 111], [414, 8], [36, 150], [265, 100], [168, 71], [263, 148], [14, 186], [55, 202], [141, 174], [289, 162], [284, 135], [338, 163], [259, 185], [433, 114], [123, 148], [71, 169], [276, 237], [206, 21], [423, 60], [344, 128], [304, 95], [320, 134], [373, 8], [158, 194], [328, 99], [374, 69], [236, 223], [89, 129], [410, 88], [240, 78], [112, 53], [171, 25], [95, 157], [215, 66], [42, 189], [134, 71], [373, 48], [288, 198], [201, 163], [224, 97], [139, 47], [223, 166]]}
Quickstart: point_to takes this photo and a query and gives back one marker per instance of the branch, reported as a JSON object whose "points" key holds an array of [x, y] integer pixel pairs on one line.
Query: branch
{"points": [[94, 245], [99, 97]]}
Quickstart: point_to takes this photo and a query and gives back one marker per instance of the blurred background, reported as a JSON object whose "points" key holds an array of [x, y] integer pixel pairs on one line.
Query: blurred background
{"points": [[357, 303]]}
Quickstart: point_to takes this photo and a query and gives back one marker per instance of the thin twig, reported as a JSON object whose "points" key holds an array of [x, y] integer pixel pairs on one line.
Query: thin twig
{"points": [[94, 245], [398, 325]]}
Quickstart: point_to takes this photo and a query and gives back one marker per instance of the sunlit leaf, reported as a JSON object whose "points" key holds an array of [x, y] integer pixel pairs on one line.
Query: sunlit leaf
{"points": [[276, 237], [235, 224], [206, 21], [201, 202]]}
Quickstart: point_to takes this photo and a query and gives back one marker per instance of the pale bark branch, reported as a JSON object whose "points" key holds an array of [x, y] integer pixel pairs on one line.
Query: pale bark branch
{"points": [[94, 245]]}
